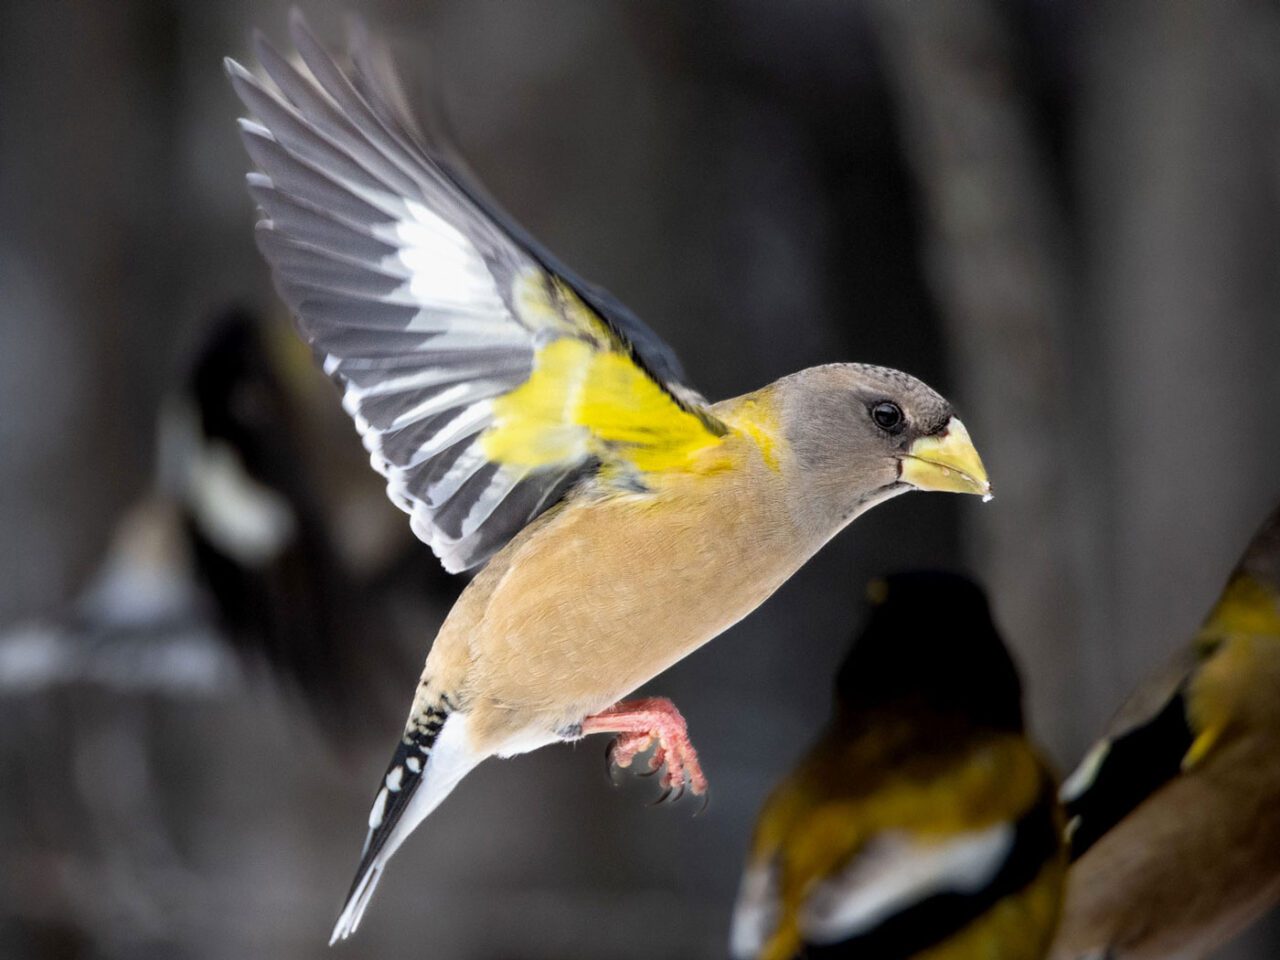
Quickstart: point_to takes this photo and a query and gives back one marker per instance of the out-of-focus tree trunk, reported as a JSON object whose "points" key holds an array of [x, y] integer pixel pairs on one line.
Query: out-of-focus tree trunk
{"points": [[1180, 219], [74, 253], [996, 253]]}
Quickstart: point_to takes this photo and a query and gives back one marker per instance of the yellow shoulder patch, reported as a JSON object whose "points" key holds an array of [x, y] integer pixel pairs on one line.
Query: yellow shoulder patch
{"points": [[586, 397], [1246, 606], [1243, 624], [754, 417]]}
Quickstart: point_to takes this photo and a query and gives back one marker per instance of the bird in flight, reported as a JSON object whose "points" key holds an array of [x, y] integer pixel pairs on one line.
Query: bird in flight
{"points": [[534, 428]]}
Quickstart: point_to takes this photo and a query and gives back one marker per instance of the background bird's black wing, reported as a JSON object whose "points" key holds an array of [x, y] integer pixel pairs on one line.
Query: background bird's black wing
{"points": [[1123, 770]]}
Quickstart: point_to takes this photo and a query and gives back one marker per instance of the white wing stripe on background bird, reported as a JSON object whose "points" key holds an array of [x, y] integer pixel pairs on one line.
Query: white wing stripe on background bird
{"points": [[755, 916], [895, 871]]}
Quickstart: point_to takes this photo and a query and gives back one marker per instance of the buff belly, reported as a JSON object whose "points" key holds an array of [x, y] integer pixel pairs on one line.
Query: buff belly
{"points": [[604, 595]]}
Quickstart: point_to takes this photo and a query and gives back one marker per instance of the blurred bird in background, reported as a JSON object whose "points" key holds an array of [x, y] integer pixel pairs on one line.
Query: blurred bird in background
{"points": [[533, 426], [1174, 816], [237, 539], [267, 540], [923, 823]]}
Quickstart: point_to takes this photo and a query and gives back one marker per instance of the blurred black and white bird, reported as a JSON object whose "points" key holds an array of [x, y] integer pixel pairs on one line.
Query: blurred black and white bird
{"points": [[1174, 816], [265, 544], [923, 823], [241, 541]]}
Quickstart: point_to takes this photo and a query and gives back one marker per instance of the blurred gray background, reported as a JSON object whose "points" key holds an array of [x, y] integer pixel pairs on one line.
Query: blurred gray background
{"points": [[1065, 215]]}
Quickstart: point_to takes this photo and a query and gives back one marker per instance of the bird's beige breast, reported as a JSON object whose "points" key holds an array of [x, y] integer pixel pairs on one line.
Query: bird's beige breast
{"points": [[609, 591]]}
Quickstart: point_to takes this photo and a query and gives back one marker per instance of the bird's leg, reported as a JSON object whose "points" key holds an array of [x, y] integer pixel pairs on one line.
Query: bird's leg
{"points": [[640, 723]]}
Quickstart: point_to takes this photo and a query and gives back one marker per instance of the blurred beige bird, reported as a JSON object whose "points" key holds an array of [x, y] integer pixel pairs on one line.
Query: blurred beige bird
{"points": [[530, 423], [1175, 814]]}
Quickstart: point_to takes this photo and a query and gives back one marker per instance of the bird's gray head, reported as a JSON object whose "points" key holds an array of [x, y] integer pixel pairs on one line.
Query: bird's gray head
{"points": [[860, 434]]}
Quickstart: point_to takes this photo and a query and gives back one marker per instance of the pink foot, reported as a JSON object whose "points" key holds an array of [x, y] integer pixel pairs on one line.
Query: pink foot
{"points": [[639, 723]]}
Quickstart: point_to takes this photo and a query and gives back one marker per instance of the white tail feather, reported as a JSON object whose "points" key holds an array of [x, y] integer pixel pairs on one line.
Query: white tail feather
{"points": [[450, 760]]}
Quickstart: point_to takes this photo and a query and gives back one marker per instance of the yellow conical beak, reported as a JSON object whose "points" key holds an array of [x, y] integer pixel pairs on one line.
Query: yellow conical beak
{"points": [[946, 462]]}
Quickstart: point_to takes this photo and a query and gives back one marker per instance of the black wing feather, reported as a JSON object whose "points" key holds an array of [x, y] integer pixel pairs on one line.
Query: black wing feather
{"points": [[1137, 764]]}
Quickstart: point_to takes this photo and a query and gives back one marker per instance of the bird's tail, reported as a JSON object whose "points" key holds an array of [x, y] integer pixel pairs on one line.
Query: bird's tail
{"points": [[430, 759]]}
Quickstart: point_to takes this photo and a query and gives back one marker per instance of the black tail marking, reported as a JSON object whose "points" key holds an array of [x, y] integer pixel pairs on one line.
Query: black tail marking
{"points": [[402, 779]]}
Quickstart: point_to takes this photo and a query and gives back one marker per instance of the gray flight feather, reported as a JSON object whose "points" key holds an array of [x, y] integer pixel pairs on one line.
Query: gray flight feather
{"points": [[402, 274]]}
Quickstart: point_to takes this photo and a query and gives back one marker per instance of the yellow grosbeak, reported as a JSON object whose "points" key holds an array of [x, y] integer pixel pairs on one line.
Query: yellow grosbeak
{"points": [[530, 423]]}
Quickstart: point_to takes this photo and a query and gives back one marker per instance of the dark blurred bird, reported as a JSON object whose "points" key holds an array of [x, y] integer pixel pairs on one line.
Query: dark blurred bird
{"points": [[530, 423], [236, 541], [1174, 816], [265, 542], [241, 540], [923, 823]]}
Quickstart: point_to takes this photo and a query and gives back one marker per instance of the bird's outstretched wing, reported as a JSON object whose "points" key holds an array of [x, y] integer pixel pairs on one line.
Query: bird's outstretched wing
{"points": [[483, 377]]}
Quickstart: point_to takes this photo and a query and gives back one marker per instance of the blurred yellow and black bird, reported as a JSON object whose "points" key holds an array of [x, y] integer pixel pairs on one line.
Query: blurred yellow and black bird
{"points": [[1174, 816], [923, 823]]}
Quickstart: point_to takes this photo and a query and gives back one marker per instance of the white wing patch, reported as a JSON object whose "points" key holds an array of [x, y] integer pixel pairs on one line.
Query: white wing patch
{"points": [[1083, 776], [413, 287], [756, 914], [444, 267], [896, 870], [244, 518]]}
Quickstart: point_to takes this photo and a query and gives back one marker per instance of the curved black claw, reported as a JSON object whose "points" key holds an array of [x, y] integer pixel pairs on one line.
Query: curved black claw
{"points": [[609, 767], [706, 802], [673, 794], [662, 798]]}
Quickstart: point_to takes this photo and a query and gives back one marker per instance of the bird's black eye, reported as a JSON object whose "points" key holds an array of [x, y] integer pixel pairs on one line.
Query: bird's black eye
{"points": [[888, 416]]}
